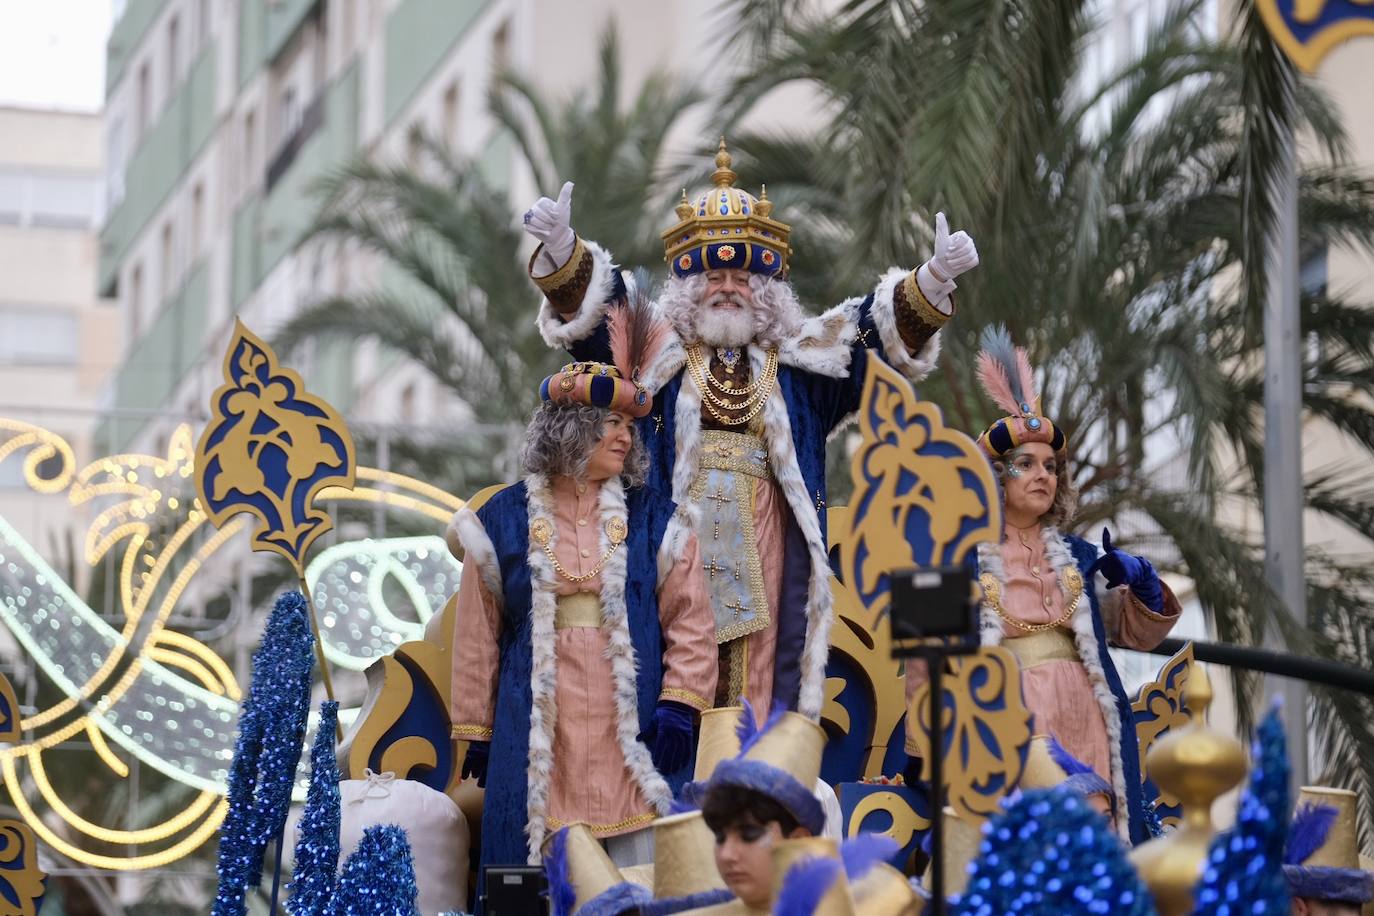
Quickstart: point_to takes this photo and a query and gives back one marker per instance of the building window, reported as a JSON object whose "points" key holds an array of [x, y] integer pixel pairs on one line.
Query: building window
{"points": [[143, 104], [168, 259], [135, 303], [500, 47], [249, 146], [290, 105], [173, 53], [38, 335], [197, 220], [408, 404], [449, 116]]}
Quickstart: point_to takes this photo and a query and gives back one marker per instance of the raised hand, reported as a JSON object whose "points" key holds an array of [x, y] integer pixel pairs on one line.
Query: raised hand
{"points": [[1121, 568], [954, 254], [550, 221]]}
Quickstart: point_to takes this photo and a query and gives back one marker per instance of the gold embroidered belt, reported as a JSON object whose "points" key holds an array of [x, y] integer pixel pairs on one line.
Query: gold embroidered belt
{"points": [[1033, 649], [582, 609], [724, 495], [727, 451]]}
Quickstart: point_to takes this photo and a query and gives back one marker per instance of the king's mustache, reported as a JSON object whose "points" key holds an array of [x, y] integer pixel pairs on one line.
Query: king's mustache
{"points": [[716, 299]]}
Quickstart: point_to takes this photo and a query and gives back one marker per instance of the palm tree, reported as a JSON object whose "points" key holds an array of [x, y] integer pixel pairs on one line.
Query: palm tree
{"points": [[457, 301], [1122, 230]]}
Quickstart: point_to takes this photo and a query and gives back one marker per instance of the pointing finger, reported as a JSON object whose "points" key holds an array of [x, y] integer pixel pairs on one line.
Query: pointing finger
{"points": [[565, 195], [941, 227]]}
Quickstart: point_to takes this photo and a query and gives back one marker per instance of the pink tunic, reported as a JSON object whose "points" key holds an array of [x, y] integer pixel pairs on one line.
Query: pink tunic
{"points": [[1058, 693], [590, 781], [770, 524]]}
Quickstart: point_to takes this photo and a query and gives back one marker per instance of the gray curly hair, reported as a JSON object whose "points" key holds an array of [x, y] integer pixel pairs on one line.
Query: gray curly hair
{"points": [[1065, 493], [560, 439], [777, 313]]}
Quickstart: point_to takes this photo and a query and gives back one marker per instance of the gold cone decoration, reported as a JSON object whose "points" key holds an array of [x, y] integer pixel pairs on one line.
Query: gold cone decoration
{"points": [[1196, 765], [1041, 771], [684, 857], [1341, 849], [590, 870], [961, 842], [1367, 864], [794, 745], [718, 739], [884, 891], [837, 900]]}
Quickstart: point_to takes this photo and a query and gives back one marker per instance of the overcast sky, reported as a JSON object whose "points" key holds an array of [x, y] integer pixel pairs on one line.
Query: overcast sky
{"points": [[52, 53]]}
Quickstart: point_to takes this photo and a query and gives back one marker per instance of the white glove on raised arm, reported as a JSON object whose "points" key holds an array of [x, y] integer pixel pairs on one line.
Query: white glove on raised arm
{"points": [[550, 221], [954, 254]]}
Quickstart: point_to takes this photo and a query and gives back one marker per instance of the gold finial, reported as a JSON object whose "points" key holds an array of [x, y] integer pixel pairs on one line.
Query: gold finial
{"points": [[763, 206], [1196, 765], [684, 207], [723, 176]]}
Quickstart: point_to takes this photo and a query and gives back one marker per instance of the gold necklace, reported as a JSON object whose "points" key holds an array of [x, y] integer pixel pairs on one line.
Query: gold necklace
{"points": [[757, 391], [992, 594], [541, 531]]}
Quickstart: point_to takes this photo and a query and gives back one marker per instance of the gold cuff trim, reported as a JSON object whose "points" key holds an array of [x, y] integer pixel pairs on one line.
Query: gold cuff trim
{"points": [[581, 609], [1041, 648], [471, 733], [678, 695], [916, 301], [1148, 614], [562, 275], [604, 830]]}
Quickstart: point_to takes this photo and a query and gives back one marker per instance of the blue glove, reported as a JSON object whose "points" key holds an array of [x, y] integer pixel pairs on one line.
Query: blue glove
{"points": [[1121, 568], [669, 736], [475, 762]]}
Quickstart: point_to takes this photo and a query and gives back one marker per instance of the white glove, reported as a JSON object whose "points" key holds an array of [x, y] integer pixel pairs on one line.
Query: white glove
{"points": [[954, 254], [549, 221]]}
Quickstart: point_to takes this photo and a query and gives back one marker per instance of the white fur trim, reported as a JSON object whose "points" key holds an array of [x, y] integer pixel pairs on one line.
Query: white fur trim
{"points": [[466, 529], [543, 673], [823, 343], [544, 670], [914, 367], [990, 563], [670, 361], [561, 333], [782, 457], [1085, 638], [620, 652]]}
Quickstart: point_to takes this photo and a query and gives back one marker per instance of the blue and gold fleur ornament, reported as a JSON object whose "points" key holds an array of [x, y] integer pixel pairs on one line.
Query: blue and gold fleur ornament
{"points": [[269, 449]]}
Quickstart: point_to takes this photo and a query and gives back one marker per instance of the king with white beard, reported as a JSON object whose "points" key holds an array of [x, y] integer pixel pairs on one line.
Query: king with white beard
{"points": [[746, 391]]}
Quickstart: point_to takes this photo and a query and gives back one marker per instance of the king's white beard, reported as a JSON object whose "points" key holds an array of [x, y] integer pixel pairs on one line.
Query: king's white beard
{"points": [[725, 327]]}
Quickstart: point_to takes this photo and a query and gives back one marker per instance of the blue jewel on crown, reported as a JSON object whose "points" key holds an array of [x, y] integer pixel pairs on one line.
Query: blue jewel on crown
{"points": [[1033, 422]]}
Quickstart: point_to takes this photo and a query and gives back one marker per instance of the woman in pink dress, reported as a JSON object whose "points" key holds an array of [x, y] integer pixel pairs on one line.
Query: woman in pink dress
{"points": [[1057, 601]]}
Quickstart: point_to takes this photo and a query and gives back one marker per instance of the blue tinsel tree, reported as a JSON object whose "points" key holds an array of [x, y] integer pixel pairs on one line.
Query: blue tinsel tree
{"points": [[272, 723], [317, 847], [379, 878], [1049, 853], [1244, 873]]}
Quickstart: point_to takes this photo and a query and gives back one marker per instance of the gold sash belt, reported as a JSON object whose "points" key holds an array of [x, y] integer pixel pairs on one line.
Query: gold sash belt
{"points": [[726, 451], [582, 609], [1046, 646]]}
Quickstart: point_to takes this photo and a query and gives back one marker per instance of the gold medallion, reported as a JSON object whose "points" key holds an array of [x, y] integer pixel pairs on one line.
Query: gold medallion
{"points": [[541, 531], [615, 529]]}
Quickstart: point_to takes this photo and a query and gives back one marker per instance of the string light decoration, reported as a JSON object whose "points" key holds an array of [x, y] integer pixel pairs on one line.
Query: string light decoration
{"points": [[379, 878], [317, 847], [358, 624], [272, 726], [1243, 874]]}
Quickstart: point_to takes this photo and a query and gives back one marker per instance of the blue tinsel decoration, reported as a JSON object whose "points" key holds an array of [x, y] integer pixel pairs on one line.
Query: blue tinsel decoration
{"points": [[272, 723], [1049, 853], [379, 878], [1244, 873], [317, 847]]}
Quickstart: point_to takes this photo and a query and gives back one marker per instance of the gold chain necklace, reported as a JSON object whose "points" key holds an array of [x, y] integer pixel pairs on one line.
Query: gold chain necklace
{"points": [[541, 530], [992, 594], [757, 391]]}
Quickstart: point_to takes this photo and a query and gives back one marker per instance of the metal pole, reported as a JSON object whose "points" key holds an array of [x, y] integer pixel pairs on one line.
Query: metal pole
{"points": [[1283, 494], [935, 663]]}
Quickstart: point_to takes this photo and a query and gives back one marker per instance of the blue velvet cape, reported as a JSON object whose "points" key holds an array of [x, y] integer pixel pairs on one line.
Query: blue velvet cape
{"points": [[506, 520]]}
